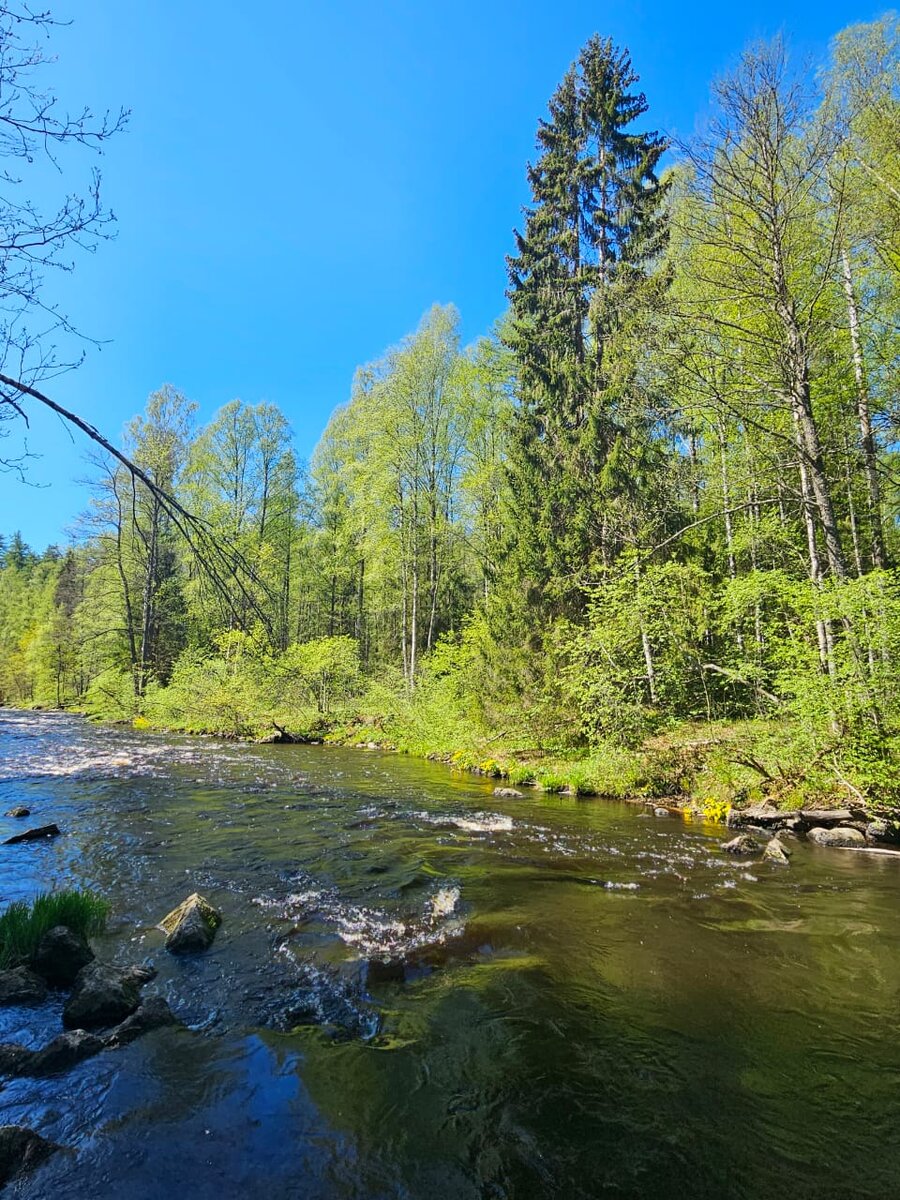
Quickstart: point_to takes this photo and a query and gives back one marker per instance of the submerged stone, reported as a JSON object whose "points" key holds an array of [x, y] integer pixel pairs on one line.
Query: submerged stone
{"points": [[507, 793], [154, 1013], [742, 844], [63, 1053], [19, 811], [21, 1150], [191, 926], [60, 955], [37, 834]]}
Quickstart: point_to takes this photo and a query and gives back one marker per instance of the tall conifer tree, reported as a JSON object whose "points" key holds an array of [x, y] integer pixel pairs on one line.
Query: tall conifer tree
{"points": [[595, 227]]}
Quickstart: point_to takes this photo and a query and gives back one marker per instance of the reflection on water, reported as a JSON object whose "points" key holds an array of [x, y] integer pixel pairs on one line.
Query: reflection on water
{"points": [[423, 991]]}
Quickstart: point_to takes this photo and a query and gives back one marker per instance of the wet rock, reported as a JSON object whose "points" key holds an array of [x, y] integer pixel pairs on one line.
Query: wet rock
{"points": [[661, 812], [59, 1055], [385, 970], [826, 817], [506, 793], [880, 830], [21, 1150], [191, 926], [75, 1045], [842, 836], [775, 852], [742, 844], [60, 955], [19, 811], [103, 996], [21, 986], [38, 834], [14, 1058], [63, 1053], [154, 1013]]}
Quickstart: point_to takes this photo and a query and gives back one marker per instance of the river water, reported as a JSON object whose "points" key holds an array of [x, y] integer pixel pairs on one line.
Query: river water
{"points": [[421, 991]]}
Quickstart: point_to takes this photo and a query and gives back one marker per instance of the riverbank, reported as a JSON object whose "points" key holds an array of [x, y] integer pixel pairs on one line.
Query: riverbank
{"points": [[708, 767]]}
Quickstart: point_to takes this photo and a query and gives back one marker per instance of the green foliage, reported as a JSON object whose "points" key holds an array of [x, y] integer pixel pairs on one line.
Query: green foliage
{"points": [[323, 670], [638, 541], [23, 925]]}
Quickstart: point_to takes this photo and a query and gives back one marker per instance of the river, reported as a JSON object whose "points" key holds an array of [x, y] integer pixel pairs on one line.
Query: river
{"points": [[422, 991]]}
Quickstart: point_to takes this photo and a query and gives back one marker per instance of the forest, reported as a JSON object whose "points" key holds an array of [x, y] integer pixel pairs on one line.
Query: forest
{"points": [[639, 538]]}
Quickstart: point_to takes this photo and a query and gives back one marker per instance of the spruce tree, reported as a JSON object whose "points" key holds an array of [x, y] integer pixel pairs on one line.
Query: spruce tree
{"points": [[595, 227]]}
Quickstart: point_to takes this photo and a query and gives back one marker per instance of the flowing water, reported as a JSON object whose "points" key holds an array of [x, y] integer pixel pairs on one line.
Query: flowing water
{"points": [[422, 991]]}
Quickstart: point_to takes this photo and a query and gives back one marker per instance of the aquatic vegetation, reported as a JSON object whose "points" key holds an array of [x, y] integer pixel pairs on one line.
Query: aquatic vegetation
{"points": [[22, 925]]}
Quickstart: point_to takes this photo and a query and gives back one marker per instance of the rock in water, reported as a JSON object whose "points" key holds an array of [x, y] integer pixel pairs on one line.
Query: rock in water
{"points": [[503, 793], [742, 844], [775, 852], [191, 926], [33, 835], [103, 996], [880, 830], [60, 955], [19, 811], [21, 986], [21, 1150], [63, 1053], [154, 1013], [837, 837]]}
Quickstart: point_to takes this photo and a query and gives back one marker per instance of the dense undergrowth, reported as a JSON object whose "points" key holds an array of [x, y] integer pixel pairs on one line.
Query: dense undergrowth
{"points": [[789, 758]]}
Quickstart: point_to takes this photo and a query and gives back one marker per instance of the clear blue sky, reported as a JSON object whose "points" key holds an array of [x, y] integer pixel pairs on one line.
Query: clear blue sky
{"points": [[300, 181]]}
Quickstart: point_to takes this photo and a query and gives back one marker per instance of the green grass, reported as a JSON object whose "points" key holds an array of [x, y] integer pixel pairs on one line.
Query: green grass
{"points": [[23, 925]]}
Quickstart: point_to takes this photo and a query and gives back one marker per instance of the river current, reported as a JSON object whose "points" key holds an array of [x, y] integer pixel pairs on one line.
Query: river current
{"points": [[420, 991]]}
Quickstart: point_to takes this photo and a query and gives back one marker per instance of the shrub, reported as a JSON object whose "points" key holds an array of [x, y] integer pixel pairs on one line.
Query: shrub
{"points": [[23, 925]]}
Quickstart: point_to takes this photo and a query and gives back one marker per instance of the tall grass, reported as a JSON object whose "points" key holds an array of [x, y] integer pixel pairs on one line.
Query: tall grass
{"points": [[23, 925]]}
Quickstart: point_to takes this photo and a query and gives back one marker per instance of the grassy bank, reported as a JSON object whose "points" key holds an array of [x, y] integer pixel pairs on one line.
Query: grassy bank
{"points": [[706, 765], [787, 759]]}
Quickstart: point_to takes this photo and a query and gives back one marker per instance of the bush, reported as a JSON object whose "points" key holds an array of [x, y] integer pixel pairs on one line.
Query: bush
{"points": [[23, 925]]}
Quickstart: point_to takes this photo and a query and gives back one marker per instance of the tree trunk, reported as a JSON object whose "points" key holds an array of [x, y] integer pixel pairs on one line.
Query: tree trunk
{"points": [[867, 439]]}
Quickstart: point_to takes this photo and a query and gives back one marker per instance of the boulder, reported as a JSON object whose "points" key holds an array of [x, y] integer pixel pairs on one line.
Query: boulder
{"points": [[19, 811], [60, 955], [21, 1150], [842, 836], [880, 830], [661, 812], [153, 1013], [506, 793], [103, 995], [191, 926], [776, 853], [21, 986], [38, 834], [742, 844]]}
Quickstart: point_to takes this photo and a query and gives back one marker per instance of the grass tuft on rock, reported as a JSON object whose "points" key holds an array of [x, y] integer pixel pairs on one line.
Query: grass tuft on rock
{"points": [[23, 925]]}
